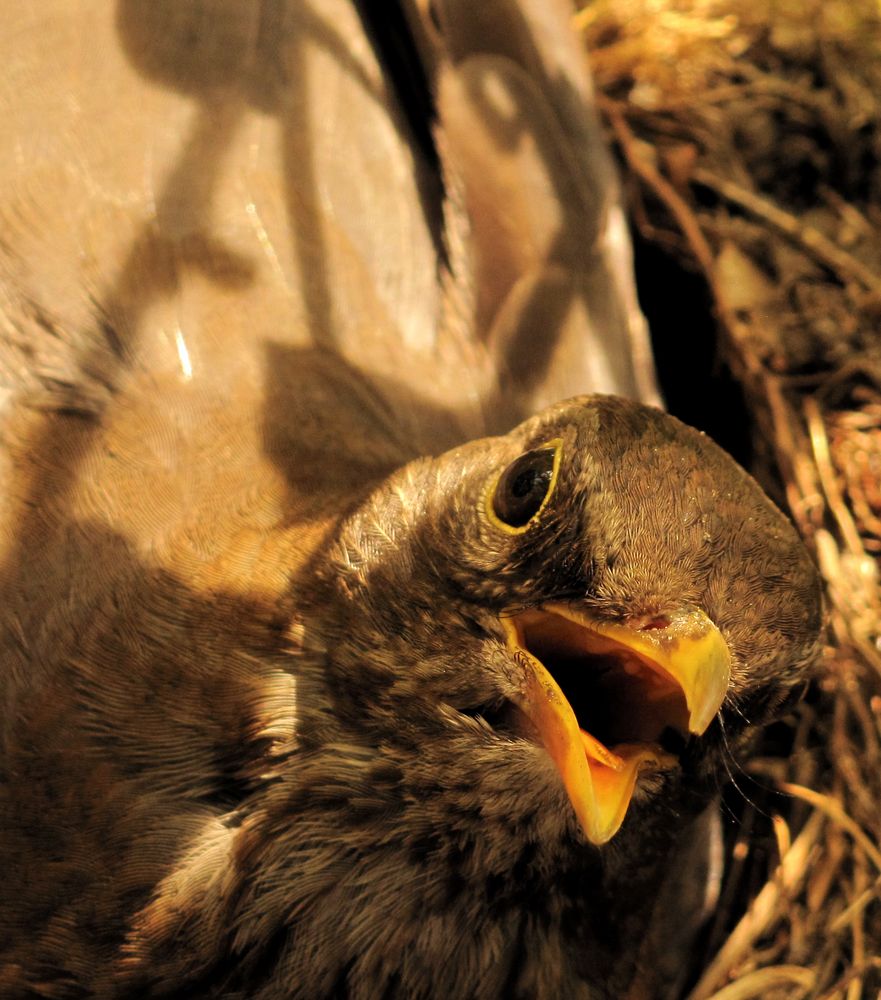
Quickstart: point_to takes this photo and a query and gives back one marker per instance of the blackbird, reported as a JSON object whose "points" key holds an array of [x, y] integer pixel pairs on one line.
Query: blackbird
{"points": [[318, 679]]}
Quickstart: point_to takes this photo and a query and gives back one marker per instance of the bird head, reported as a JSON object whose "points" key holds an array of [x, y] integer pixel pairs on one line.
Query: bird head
{"points": [[585, 614]]}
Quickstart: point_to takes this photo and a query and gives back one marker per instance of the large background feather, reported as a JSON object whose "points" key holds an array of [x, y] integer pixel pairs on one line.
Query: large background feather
{"points": [[252, 256]]}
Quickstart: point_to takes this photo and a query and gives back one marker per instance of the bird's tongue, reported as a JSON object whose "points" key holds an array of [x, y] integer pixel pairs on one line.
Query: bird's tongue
{"points": [[613, 777], [600, 783], [685, 651]]}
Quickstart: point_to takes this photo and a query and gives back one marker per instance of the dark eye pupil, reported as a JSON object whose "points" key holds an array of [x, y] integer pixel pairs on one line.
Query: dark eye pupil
{"points": [[523, 486]]}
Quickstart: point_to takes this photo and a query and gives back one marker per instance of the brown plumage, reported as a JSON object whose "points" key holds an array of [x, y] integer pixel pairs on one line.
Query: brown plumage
{"points": [[274, 721]]}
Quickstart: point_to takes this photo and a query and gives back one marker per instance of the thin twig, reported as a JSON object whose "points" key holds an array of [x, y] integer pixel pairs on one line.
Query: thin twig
{"points": [[820, 247], [787, 880], [826, 472], [857, 906], [834, 810]]}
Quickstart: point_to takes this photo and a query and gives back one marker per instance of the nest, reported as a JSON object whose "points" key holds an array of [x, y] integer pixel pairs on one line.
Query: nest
{"points": [[750, 137]]}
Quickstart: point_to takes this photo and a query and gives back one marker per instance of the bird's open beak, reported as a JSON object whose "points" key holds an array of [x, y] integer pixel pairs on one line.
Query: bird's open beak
{"points": [[626, 686]]}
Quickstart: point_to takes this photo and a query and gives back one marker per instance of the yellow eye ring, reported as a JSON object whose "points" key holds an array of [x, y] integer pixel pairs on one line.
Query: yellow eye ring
{"points": [[518, 495]]}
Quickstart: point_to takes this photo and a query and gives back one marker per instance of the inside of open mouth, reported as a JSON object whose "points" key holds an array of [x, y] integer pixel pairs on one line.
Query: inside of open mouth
{"points": [[618, 696]]}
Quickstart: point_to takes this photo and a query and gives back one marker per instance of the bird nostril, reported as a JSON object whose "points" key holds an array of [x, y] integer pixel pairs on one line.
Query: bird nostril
{"points": [[659, 621]]}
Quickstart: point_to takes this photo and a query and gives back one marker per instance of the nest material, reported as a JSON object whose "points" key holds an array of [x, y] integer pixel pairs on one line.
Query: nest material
{"points": [[751, 140]]}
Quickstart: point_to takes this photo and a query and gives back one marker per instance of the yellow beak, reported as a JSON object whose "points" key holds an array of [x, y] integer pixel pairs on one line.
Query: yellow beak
{"points": [[680, 665]]}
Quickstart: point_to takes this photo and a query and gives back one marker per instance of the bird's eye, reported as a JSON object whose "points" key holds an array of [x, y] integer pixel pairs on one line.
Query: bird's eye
{"points": [[524, 487]]}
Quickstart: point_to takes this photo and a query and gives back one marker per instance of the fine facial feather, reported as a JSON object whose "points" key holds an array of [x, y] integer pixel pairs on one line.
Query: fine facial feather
{"points": [[229, 316]]}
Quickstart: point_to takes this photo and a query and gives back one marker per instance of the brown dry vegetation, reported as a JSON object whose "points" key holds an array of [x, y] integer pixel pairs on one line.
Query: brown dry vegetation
{"points": [[750, 136]]}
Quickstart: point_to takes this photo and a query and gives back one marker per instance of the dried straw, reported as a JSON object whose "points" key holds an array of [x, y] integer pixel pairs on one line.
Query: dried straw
{"points": [[751, 141]]}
